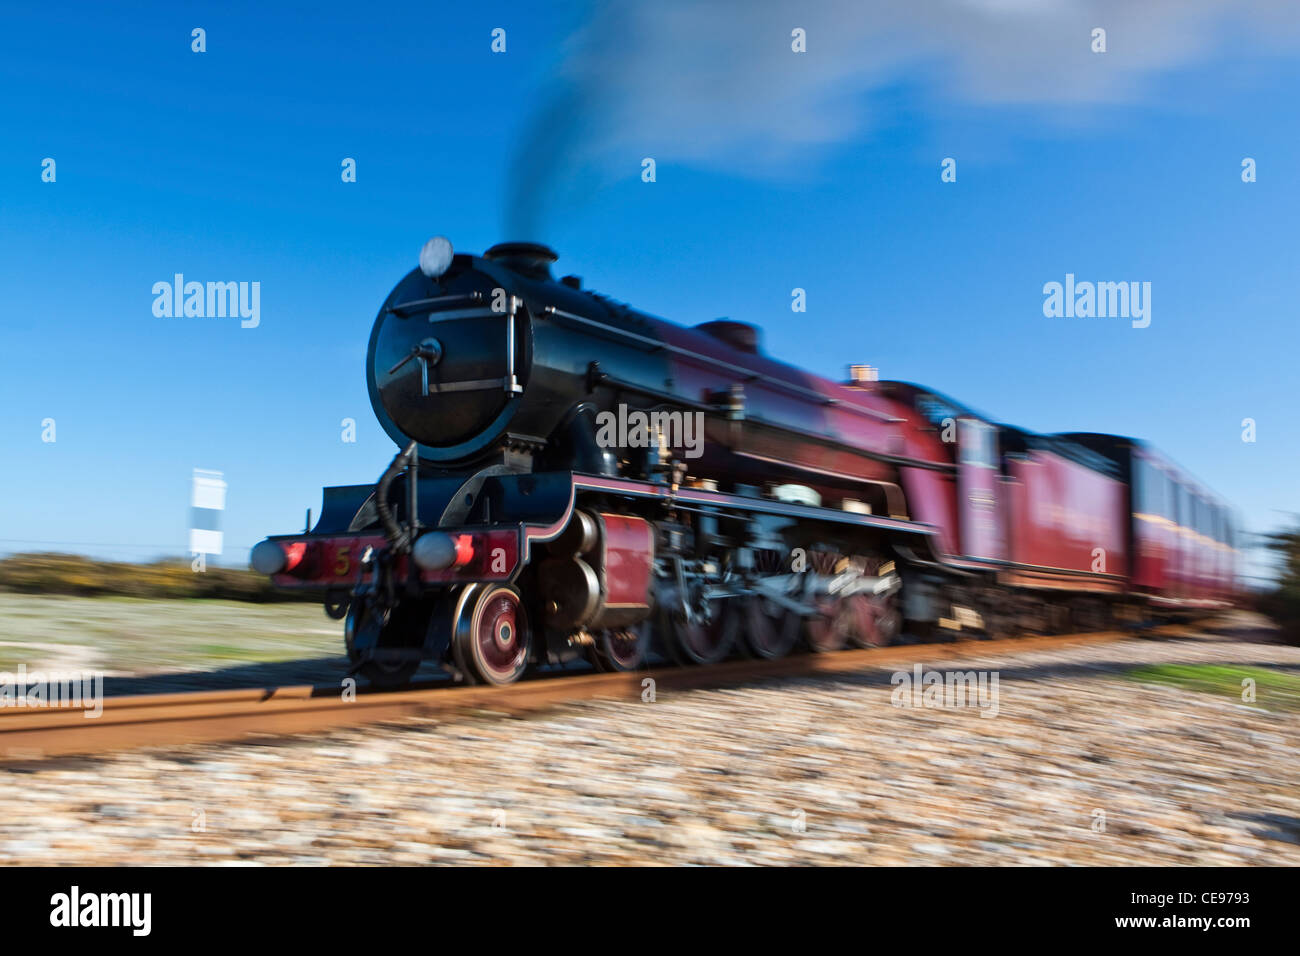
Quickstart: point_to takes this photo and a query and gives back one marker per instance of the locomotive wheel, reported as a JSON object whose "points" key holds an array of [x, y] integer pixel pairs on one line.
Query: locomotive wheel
{"points": [[874, 622], [623, 649], [999, 624], [363, 627], [337, 604], [700, 642], [830, 628], [368, 626], [889, 620], [492, 639], [766, 631]]}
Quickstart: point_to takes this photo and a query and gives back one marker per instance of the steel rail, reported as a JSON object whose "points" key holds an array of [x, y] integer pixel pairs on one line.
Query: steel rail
{"points": [[129, 722]]}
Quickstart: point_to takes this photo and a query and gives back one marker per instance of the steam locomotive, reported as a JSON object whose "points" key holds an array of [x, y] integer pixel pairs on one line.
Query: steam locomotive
{"points": [[580, 479]]}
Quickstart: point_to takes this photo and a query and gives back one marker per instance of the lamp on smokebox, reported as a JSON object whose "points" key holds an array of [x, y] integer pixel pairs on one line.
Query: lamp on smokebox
{"points": [[435, 257]]}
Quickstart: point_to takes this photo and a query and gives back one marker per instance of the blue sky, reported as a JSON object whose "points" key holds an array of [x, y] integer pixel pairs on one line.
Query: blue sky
{"points": [[773, 172]]}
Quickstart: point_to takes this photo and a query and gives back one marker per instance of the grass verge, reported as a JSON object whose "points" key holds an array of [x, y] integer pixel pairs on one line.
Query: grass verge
{"points": [[1272, 689]]}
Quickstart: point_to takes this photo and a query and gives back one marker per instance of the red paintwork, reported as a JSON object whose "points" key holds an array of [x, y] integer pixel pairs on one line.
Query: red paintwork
{"points": [[326, 562], [823, 409], [332, 562], [1039, 519], [629, 560], [1060, 513], [932, 499]]}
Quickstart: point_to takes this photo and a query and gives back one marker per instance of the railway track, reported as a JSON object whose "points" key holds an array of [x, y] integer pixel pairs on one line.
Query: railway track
{"points": [[181, 718]]}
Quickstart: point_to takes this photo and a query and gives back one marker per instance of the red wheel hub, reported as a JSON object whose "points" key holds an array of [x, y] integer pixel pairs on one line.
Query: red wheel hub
{"points": [[499, 638]]}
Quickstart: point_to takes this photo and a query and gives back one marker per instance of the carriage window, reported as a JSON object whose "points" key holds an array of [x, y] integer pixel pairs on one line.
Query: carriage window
{"points": [[977, 443], [1153, 489]]}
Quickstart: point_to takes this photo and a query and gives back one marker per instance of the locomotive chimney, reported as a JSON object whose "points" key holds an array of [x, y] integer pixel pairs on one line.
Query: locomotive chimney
{"points": [[531, 259]]}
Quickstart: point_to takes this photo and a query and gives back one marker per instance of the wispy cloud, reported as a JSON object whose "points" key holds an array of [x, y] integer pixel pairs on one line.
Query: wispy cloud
{"points": [[715, 83]]}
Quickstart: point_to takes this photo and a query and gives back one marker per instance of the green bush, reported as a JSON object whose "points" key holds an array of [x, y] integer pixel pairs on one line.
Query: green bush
{"points": [[73, 574], [1282, 603]]}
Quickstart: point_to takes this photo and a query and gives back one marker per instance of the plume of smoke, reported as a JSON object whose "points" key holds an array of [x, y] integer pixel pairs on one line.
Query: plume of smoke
{"points": [[714, 83]]}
